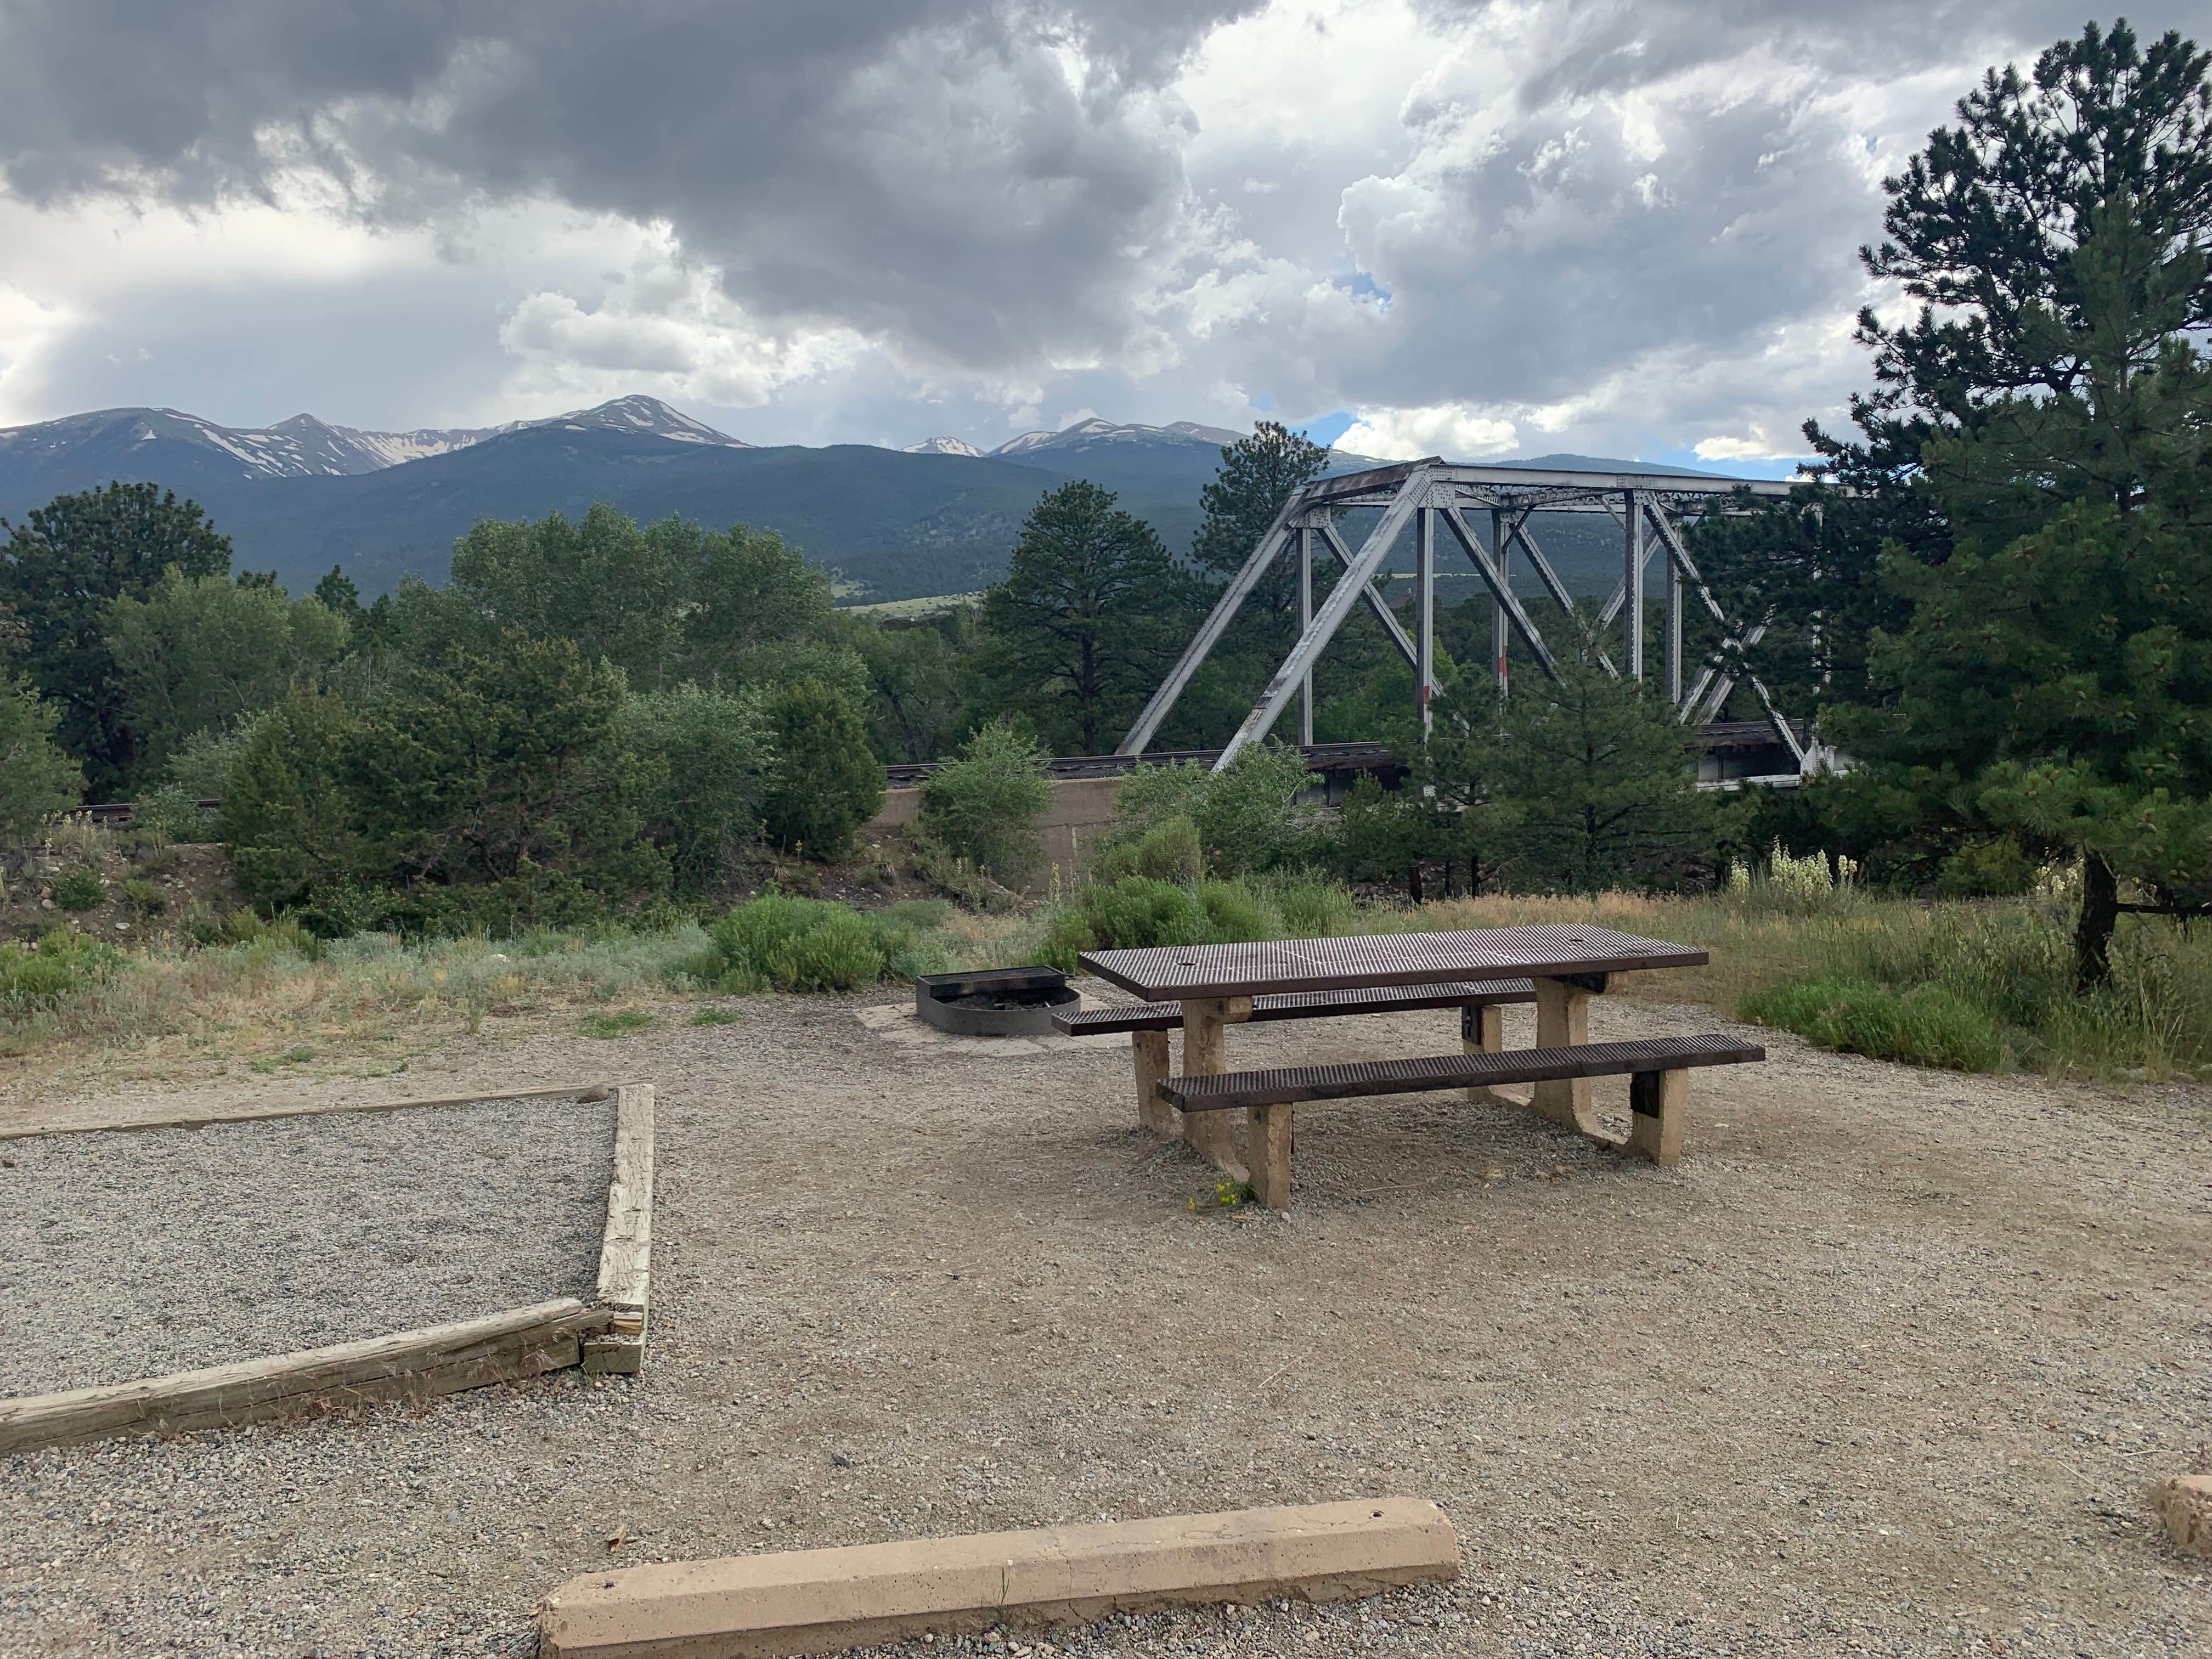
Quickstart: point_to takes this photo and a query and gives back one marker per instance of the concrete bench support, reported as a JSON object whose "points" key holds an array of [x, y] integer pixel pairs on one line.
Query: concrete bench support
{"points": [[816, 1602]]}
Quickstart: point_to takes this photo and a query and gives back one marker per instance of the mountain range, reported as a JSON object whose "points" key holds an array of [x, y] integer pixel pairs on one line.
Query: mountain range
{"points": [[940, 516]]}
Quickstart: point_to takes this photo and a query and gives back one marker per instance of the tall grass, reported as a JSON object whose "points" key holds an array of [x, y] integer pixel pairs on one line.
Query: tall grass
{"points": [[1975, 985], [1852, 962]]}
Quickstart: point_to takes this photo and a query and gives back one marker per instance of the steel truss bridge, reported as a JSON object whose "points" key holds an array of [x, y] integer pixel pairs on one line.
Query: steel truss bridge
{"points": [[1435, 499]]}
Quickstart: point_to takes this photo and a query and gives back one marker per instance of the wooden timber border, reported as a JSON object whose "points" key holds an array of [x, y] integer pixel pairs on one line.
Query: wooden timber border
{"points": [[599, 1089], [506, 1347]]}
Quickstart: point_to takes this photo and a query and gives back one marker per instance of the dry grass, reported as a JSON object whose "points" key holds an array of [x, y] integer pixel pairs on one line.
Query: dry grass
{"points": [[282, 999]]}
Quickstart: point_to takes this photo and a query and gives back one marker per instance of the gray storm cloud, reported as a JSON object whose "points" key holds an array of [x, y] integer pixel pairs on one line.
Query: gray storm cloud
{"points": [[1556, 198], [930, 168]]}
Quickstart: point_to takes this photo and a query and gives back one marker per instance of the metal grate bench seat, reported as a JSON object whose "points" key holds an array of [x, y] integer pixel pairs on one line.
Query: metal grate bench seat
{"points": [[1149, 1022], [1658, 1069], [1304, 1005]]}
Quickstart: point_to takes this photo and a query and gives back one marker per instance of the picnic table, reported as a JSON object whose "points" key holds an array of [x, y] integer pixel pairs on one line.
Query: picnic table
{"points": [[1215, 986]]}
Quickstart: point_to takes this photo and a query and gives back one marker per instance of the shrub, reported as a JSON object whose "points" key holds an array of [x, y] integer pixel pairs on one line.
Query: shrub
{"points": [[1169, 851], [144, 898], [814, 944], [171, 814], [718, 759], [200, 767], [1236, 915], [35, 977], [37, 779], [1315, 909], [1247, 817], [1997, 868], [79, 890], [1137, 911], [985, 805], [1928, 1025], [827, 784]]}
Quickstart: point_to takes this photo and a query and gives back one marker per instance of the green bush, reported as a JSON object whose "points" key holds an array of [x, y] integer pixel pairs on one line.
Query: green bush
{"points": [[717, 758], [1315, 909], [814, 944], [78, 889], [37, 779], [1997, 868], [1169, 851], [199, 769], [1247, 817], [1236, 915], [171, 814], [35, 977], [142, 897], [1928, 1025], [827, 784], [985, 805]]}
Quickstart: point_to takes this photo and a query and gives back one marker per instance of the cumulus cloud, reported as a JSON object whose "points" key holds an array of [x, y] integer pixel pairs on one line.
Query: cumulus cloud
{"points": [[1454, 433], [1474, 224]]}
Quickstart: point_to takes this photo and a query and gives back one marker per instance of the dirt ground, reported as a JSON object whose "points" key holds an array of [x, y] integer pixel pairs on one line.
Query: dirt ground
{"points": [[1886, 1365]]}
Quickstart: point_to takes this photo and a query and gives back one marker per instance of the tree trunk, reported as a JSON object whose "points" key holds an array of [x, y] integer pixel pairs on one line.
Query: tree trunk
{"points": [[2100, 913], [1413, 882]]}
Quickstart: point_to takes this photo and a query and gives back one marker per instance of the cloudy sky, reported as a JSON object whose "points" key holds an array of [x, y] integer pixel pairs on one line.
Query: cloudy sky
{"points": [[1442, 227]]}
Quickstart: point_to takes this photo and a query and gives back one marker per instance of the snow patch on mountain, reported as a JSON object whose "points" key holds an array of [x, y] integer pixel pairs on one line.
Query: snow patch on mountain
{"points": [[944, 446]]}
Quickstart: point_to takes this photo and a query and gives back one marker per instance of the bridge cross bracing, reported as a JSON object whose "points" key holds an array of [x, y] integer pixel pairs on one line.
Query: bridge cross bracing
{"points": [[1433, 498]]}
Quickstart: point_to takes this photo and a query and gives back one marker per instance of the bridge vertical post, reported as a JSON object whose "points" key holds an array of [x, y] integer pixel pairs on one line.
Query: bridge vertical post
{"points": [[1674, 641], [1631, 588], [1305, 621], [1425, 642], [1501, 624]]}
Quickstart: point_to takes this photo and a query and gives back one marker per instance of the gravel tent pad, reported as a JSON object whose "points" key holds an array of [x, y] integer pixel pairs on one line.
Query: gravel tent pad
{"points": [[1885, 1366], [131, 1254]]}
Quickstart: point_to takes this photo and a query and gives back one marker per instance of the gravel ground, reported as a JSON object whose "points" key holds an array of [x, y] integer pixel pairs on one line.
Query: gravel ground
{"points": [[1886, 1365], [131, 1255]]}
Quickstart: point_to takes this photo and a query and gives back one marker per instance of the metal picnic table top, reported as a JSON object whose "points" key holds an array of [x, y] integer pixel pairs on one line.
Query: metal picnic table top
{"points": [[1190, 972]]}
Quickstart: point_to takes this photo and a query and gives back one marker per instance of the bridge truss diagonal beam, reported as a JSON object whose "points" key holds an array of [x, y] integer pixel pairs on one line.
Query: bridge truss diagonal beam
{"points": [[1410, 497], [1417, 496]]}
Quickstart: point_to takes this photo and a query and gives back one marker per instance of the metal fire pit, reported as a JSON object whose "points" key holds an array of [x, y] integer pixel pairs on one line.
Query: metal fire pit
{"points": [[994, 1001]]}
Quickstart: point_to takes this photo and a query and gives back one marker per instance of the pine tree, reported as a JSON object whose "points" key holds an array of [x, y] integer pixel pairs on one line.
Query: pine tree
{"points": [[1089, 617], [1579, 783], [2055, 678], [61, 569], [827, 784], [1980, 230]]}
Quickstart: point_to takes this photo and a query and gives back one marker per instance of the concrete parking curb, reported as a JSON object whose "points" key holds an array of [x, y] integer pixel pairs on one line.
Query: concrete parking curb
{"points": [[816, 1602]]}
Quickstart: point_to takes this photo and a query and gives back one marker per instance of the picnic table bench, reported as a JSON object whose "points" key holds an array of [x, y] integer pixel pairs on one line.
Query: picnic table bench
{"points": [[1215, 986]]}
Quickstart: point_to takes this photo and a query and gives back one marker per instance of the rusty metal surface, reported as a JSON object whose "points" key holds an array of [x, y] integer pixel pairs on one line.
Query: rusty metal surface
{"points": [[1182, 972], [1296, 1084], [1304, 1005]]}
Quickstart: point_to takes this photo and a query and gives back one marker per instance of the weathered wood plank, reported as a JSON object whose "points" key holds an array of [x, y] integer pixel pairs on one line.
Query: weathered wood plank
{"points": [[626, 1247], [513, 1343], [1267, 1150], [597, 1089], [1149, 1054]]}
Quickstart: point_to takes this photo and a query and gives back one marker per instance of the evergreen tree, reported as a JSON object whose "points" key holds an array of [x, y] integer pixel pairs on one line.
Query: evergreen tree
{"points": [[2055, 678], [60, 570], [1579, 783], [37, 779], [1089, 619], [340, 595], [827, 783], [1980, 230]]}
